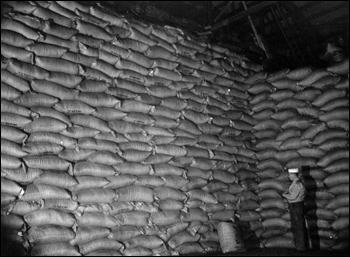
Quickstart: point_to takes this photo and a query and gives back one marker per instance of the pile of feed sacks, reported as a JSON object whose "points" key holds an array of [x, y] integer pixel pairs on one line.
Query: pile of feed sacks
{"points": [[125, 138]]}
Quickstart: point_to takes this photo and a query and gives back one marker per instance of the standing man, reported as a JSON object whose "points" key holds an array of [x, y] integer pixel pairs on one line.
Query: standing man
{"points": [[295, 196]]}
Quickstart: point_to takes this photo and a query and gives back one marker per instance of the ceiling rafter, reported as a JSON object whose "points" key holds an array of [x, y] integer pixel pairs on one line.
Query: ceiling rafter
{"points": [[244, 14], [327, 11], [223, 11]]}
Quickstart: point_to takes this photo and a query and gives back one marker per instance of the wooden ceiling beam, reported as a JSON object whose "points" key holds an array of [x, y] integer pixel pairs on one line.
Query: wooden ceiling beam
{"points": [[223, 11], [244, 14], [318, 27], [307, 6], [327, 11], [300, 20]]}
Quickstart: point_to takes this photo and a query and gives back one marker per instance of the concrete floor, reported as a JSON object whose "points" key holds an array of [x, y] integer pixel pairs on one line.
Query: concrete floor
{"points": [[278, 252], [9, 248]]}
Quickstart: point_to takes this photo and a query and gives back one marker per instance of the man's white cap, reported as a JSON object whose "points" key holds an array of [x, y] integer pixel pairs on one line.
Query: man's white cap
{"points": [[294, 170]]}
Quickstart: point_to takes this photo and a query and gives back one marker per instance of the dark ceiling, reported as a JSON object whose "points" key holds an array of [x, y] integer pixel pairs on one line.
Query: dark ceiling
{"points": [[294, 30], [192, 10]]}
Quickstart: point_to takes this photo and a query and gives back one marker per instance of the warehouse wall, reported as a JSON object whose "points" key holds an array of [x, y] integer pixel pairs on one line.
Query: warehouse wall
{"points": [[119, 137]]}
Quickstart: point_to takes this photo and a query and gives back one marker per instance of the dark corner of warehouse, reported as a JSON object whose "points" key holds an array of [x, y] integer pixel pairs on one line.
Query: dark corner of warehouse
{"points": [[165, 128]]}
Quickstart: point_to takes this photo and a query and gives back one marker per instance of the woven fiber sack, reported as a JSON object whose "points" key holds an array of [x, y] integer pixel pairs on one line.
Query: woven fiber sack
{"points": [[230, 238]]}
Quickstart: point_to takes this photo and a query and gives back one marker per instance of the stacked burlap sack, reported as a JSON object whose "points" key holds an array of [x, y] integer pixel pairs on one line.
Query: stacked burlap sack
{"points": [[125, 138], [304, 122], [120, 137]]}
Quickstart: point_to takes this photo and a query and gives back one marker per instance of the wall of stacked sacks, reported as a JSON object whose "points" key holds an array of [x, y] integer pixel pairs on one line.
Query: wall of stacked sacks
{"points": [[124, 138], [303, 121]]}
